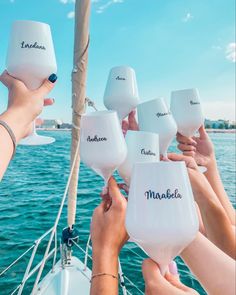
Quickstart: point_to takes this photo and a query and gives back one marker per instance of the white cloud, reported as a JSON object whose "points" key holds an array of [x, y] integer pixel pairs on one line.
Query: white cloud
{"points": [[67, 1], [187, 17], [231, 52], [216, 47], [71, 14], [103, 7]]}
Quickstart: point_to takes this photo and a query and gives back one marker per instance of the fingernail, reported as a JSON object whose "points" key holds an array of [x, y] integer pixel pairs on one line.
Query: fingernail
{"points": [[132, 113], [173, 268], [52, 78]]}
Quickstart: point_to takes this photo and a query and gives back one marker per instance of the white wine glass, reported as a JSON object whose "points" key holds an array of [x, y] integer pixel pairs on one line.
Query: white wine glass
{"points": [[161, 214], [31, 59], [187, 111], [155, 116], [102, 144], [141, 147], [121, 93]]}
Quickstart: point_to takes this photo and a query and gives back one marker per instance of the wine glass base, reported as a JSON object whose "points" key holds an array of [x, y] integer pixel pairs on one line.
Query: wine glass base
{"points": [[202, 169], [35, 139]]}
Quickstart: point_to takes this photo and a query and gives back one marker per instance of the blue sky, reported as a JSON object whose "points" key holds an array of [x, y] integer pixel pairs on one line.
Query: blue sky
{"points": [[172, 44]]}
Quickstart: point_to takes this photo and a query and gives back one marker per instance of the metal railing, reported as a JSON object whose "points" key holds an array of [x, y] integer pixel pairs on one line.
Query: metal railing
{"points": [[30, 271], [122, 277]]}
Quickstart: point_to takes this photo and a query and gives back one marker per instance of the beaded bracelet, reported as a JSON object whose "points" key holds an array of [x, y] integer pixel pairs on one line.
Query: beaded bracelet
{"points": [[104, 274], [11, 134]]}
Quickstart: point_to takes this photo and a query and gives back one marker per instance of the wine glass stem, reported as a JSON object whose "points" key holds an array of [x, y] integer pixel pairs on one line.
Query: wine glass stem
{"points": [[33, 129], [105, 187], [163, 269], [165, 155]]}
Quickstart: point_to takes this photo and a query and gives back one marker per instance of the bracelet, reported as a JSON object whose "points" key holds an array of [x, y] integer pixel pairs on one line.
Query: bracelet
{"points": [[11, 134], [104, 274]]}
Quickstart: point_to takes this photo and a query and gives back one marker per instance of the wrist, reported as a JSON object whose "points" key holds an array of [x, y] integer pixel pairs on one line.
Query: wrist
{"points": [[212, 173], [105, 261], [17, 121], [104, 254], [212, 164], [105, 249]]}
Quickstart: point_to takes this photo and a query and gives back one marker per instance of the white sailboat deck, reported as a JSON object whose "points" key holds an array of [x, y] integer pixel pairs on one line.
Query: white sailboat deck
{"points": [[73, 279]]}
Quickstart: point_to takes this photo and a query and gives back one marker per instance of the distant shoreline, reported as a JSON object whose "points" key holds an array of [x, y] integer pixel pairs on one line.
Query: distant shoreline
{"points": [[208, 130], [221, 130]]}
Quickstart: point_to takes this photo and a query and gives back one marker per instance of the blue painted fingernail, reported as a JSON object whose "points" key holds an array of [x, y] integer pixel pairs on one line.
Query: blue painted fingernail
{"points": [[52, 78]]}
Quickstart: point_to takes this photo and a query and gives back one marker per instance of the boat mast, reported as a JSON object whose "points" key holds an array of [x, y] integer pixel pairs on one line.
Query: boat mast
{"points": [[79, 73]]}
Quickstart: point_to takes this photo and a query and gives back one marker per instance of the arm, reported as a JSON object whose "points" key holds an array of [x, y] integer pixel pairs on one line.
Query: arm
{"points": [[202, 150], [213, 176], [104, 262], [108, 235], [214, 269], [220, 233], [23, 107], [217, 225]]}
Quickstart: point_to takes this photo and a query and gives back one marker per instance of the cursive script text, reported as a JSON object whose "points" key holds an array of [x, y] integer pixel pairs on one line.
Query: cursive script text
{"points": [[162, 114], [96, 139], [34, 45], [148, 153], [120, 78], [194, 102], [166, 195]]}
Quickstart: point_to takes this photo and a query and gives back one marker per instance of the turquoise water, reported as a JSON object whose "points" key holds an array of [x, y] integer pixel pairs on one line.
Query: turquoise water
{"points": [[30, 195]]}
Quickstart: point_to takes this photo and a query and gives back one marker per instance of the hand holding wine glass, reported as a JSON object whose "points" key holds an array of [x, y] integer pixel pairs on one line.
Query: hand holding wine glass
{"points": [[155, 116], [198, 181], [24, 105], [141, 147], [199, 147], [188, 114], [102, 144], [121, 93], [162, 193], [31, 59], [108, 235]]}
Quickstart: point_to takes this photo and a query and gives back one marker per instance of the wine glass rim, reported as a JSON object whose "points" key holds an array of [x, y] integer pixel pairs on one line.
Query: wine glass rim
{"points": [[122, 66], [151, 100], [99, 113], [185, 90], [30, 22], [142, 132]]}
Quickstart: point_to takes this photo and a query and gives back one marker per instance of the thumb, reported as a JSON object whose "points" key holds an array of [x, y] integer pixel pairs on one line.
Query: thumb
{"points": [[175, 282], [6, 79], [151, 271], [114, 192], [202, 132], [47, 85], [154, 279]]}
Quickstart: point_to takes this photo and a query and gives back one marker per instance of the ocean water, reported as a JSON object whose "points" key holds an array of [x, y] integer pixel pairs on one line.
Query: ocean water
{"points": [[30, 195]]}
